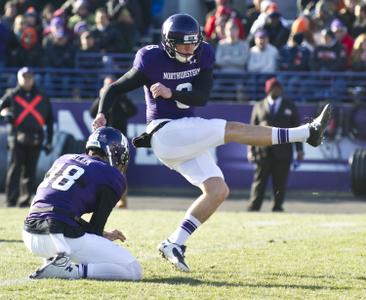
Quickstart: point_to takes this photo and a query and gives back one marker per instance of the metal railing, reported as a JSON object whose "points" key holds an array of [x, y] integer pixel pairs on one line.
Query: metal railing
{"points": [[298, 86], [85, 80], [105, 61]]}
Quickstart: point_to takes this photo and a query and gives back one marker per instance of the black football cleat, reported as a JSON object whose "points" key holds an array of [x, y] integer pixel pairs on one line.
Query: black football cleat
{"points": [[318, 126]]}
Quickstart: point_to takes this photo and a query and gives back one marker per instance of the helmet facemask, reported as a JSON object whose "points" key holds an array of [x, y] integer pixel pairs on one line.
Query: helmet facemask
{"points": [[173, 34], [117, 157], [185, 58], [113, 146]]}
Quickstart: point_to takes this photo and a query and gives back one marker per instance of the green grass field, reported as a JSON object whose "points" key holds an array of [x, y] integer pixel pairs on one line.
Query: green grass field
{"points": [[233, 256]]}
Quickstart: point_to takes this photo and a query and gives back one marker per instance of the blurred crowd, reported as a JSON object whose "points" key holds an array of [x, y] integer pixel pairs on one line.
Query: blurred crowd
{"points": [[327, 35], [50, 33]]}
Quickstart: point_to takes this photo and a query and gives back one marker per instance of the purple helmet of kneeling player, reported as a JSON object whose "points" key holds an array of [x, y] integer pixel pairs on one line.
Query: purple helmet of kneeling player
{"points": [[112, 144], [181, 29]]}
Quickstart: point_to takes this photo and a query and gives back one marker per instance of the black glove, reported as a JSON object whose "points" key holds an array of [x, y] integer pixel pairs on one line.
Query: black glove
{"points": [[47, 148]]}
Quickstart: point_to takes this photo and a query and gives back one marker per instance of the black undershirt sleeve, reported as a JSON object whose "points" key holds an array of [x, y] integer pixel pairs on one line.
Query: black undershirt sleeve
{"points": [[106, 201], [130, 81], [201, 88]]}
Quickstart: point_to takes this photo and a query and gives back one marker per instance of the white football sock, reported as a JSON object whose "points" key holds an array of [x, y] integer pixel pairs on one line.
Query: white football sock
{"points": [[290, 135], [185, 230]]}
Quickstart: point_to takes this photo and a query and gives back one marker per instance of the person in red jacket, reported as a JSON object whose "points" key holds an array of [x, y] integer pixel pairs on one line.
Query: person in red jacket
{"points": [[218, 17], [343, 37]]}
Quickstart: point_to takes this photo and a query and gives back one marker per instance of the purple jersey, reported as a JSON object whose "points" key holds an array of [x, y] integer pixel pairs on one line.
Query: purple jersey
{"points": [[73, 183], [157, 66]]}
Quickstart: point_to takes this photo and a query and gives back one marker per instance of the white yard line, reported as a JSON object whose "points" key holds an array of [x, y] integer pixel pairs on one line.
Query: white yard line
{"points": [[11, 282]]}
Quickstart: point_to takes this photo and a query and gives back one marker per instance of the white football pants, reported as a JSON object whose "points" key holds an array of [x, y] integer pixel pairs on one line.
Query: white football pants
{"points": [[104, 259], [183, 145]]}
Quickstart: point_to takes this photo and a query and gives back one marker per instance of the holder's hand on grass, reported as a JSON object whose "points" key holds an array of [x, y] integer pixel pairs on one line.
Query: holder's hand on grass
{"points": [[114, 235]]}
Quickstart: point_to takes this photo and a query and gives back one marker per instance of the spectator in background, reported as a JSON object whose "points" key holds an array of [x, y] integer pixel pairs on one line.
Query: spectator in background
{"points": [[126, 28], [23, 5], [359, 54], [305, 6], [302, 26], [57, 24], [33, 20], [341, 34], [267, 7], [6, 25], [105, 34], [274, 161], [359, 25], [81, 12], [86, 80], [232, 52], [231, 56], [121, 110], [59, 52], [252, 13], [28, 110], [218, 32], [4, 38], [24, 47], [330, 55], [10, 12], [47, 15], [277, 33], [323, 16], [347, 13], [79, 29], [216, 19], [135, 9], [88, 42], [294, 57], [263, 57]]}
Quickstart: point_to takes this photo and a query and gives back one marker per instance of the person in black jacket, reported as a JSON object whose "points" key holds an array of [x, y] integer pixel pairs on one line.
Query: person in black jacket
{"points": [[274, 160], [28, 110], [122, 109]]}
